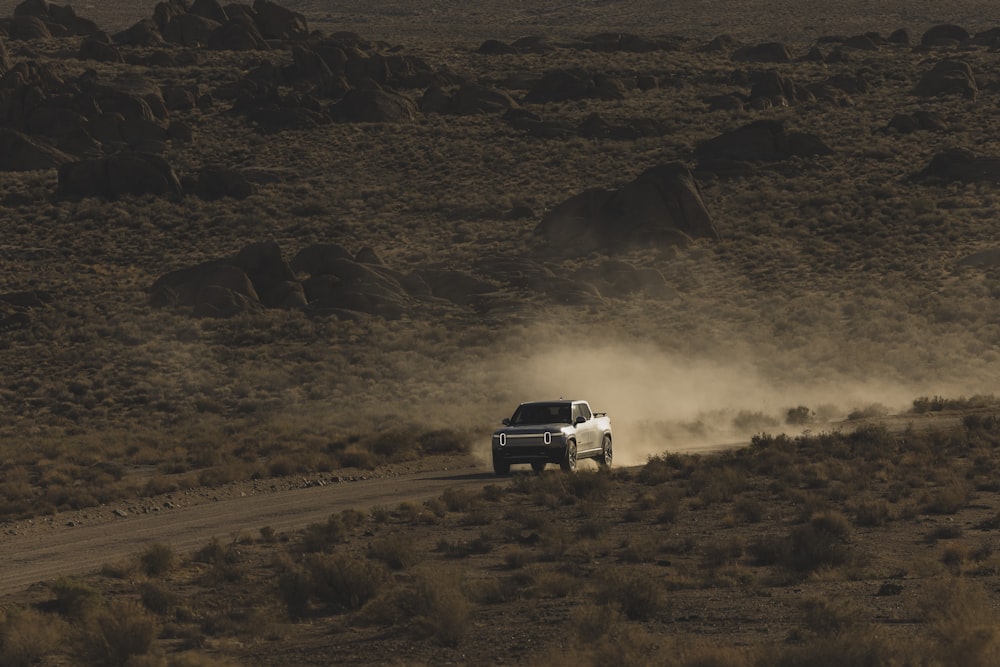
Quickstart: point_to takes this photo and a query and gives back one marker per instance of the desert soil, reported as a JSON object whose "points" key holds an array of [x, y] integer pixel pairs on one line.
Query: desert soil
{"points": [[837, 285]]}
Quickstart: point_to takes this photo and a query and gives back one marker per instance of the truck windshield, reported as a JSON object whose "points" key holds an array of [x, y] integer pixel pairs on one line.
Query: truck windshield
{"points": [[542, 413]]}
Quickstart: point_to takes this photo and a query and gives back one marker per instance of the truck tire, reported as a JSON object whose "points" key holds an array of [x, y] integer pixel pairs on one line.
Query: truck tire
{"points": [[500, 467], [604, 460], [568, 463]]}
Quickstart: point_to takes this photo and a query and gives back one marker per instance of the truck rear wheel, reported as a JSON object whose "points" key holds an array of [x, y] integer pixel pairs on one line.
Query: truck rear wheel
{"points": [[604, 460], [569, 457]]}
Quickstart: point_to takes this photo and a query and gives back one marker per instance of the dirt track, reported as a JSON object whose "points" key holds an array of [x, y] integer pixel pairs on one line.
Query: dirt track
{"points": [[49, 548]]}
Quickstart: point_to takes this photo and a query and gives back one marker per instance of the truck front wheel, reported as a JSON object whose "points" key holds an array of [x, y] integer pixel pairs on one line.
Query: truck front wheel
{"points": [[569, 457], [500, 467]]}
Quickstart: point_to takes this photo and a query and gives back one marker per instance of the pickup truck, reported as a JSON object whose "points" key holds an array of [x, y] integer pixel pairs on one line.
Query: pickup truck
{"points": [[545, 432]]}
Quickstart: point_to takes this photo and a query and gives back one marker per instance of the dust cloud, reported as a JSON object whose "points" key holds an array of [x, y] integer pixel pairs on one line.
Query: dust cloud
{"points": [[663, 402]]}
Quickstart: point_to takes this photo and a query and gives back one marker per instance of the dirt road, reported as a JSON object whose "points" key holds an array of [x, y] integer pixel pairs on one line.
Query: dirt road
{"points": [[45, 549]]}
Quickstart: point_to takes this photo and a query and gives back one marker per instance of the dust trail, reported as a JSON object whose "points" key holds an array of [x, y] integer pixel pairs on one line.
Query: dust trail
{"points": [[662, 402]]}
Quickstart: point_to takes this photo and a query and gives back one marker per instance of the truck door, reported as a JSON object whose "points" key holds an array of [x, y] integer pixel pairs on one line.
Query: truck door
{"points": [[586, 433]]}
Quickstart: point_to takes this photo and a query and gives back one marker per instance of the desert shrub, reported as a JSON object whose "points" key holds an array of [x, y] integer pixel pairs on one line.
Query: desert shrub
{"points": [[716, 484], [113, 635], [397, 551], [73, 598], [946, 532], [961, 623], [157, 598], [430, 607], [224, 561], [870, 411], [721, 552], [494, 590], [352, 518], [924, 404], [946, 499], [822, 542], [592, 622], [443, 441], [748, 509], [555, 540], [872, 513], [828, 617], [668, 502], [322, 537], [157, 559], [356, 456], [458, 500], [342, 582], [748, 422], [798, 416], [295, 590], [663, 468], [639, 597], [27, 637], [862, 648]]}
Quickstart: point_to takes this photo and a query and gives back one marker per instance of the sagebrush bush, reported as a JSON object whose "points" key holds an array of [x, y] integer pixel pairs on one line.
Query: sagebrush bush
{"points": [[158, 559], [638, 597], [342, 582], [396, 551], [73, 598], [115, 634], [27, 637]]}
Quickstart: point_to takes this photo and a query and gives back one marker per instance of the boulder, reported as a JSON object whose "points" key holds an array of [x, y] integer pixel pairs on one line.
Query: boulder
{"points": [[190, 30], [948, 77], [145, 33], [988, 258], [183, 287], [574, 84], [374, 105], [317, 259], [494, 47], [963, 166], [19, 152], [359, 287], [267, 269], [99, 47], [26, 27], [62, 16], [472, 99], [456, 286], [760, 141], [944, 35], [663, 206], [906, 123], [237, 36], [779, 89], [277, 22], [768, 52], [219, 182], [900, 37], [167, 10], [209, 9], [219, 302], [116, 175], [5, 61]]}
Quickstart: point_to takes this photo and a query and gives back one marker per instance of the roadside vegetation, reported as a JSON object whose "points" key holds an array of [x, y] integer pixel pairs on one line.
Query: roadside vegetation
{"points": [[866, 548]]}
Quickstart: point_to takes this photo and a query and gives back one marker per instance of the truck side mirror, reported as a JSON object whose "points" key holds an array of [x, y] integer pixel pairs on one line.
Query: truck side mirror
{"points": [[506, 421], [581, 420]]}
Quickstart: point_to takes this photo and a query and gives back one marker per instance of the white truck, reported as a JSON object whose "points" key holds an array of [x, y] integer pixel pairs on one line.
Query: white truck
{"points": [[544, 432]]}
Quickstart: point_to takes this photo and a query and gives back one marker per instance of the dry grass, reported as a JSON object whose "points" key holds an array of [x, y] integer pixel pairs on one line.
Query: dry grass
{"points": [[830, 272], [781, 588]]}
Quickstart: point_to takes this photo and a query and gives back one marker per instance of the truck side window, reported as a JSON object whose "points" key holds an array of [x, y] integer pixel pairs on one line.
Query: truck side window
{"points": [[584, 411]]}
